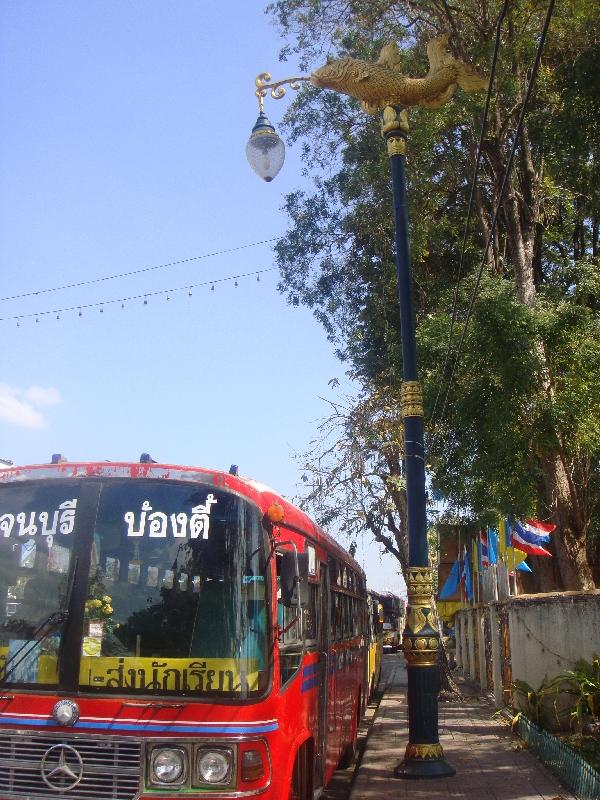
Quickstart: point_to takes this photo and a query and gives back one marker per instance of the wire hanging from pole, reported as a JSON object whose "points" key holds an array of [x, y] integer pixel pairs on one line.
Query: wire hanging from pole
{"points": [[488, 98], [530, 84]]}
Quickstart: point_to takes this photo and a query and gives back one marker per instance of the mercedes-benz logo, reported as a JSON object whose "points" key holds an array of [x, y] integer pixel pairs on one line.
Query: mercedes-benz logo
{"points": [[62, 767]]}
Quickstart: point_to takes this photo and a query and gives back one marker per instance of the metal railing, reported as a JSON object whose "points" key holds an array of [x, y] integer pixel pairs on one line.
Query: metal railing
{"points": [[575, 773]]}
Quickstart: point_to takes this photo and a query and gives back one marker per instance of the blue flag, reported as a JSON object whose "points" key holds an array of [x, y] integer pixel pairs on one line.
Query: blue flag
{"points": [[507, 542], [524, 567], [466, 575], [452, 582], [492, 538]]}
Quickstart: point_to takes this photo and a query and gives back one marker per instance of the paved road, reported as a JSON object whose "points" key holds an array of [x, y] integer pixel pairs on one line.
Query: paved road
{"points": [[340, 786]]}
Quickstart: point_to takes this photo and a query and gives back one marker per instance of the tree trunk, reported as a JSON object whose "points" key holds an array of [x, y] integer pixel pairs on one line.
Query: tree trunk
{"points": [[560, 493], [448, 688], [522, 259], [570, 538], [546, 573]]}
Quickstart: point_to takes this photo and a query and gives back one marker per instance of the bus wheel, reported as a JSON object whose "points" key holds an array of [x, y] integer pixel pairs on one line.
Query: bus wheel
{"points": [[302, 775], [348, 756]]}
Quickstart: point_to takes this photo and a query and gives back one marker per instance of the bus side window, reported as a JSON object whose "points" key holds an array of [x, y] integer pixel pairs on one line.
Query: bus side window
{"points": [[336, 616], [310, 615], [290, 644], [346, 616]]}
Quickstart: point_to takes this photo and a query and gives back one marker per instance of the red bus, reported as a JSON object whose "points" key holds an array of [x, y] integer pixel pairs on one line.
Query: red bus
{"points": [[169, 631]]}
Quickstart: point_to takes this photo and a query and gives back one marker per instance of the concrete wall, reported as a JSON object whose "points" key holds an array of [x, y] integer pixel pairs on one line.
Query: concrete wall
{"points": [[496, 655], [548, 634]]}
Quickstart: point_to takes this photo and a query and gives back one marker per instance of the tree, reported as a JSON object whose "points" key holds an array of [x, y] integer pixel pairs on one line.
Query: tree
{"points": [[353, 472], [355, 480], [520, 431]]}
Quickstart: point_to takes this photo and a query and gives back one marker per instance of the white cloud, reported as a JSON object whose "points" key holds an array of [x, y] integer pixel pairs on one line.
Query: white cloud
{"points": [[43, 395], [17, 406]]}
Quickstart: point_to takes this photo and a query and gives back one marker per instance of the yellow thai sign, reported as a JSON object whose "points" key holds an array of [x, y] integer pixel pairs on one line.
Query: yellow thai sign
{"points": [[169, 674], [151, 674]]}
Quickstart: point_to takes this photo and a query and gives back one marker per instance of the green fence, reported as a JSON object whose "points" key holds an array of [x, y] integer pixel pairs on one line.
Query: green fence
{"points": [[570, 768]]}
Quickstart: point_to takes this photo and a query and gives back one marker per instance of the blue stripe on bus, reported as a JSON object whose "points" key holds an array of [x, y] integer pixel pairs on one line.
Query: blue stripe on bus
{"points": [[310, 669], [310, 684], [121, 726]]}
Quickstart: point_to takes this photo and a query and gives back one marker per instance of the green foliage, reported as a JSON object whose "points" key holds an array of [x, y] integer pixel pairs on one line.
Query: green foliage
{"points": [[534, 702], [585, 685], [484, 458], [581, 685], [528, 383]]}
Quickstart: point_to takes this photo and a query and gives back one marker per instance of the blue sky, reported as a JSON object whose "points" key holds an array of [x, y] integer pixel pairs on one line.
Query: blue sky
{"points": [[122, 146]]}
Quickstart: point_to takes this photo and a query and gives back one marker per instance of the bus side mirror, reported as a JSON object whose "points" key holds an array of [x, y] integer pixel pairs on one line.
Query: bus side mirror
{"points": [[294, 584]]}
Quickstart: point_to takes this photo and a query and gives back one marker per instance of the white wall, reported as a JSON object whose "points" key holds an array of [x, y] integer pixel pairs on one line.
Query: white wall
{"points": [[549, 633]]}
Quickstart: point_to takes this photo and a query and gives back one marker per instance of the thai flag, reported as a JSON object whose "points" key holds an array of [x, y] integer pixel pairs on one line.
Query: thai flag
{"points": [[483, 550], [530, 536], [539, 528]]}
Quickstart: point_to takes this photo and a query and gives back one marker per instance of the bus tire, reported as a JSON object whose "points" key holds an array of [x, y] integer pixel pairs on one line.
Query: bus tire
{"points": [[348, 756], [302, 773]]}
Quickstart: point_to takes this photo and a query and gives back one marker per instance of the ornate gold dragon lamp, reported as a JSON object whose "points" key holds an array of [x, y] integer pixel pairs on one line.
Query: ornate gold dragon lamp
{"points": [[382, 87]]}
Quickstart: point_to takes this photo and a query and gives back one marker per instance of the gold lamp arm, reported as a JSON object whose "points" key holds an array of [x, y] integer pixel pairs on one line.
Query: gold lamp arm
{"points": [[263, 85]]}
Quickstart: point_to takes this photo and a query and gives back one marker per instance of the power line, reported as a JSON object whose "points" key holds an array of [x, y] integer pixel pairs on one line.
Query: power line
{"points": [[137, 271], [442, 372], [530, 84], [101, 303]]}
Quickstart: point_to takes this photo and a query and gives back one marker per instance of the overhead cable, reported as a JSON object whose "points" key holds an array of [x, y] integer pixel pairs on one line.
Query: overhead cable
{"points": [[136, 271], [530, 84], [442, 372]]}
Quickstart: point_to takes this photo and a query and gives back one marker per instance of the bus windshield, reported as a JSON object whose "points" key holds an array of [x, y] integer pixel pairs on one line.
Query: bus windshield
{"points": [[171, 577]]}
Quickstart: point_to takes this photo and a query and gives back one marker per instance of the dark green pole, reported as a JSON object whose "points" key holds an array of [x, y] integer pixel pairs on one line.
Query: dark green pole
{"points": [[424, 757]]}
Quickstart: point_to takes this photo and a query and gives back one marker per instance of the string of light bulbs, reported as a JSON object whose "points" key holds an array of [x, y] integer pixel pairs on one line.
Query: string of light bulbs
{"points": [[139, 271], [145, 296]]}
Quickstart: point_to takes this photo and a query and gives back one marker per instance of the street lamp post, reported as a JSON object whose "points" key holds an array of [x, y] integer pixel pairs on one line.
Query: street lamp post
{"points": [[424, 757], [381, 87]]}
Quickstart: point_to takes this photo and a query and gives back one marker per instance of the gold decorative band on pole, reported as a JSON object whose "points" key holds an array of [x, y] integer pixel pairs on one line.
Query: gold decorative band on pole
{"points": [[411, 399], [394, 127], [395, 120], [420, 652], [396, 146], [420, 641], [420, 583], [424, 751]]}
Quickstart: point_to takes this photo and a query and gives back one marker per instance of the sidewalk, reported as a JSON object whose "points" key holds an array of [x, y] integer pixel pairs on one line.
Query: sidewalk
{"points": [[489, 764]]}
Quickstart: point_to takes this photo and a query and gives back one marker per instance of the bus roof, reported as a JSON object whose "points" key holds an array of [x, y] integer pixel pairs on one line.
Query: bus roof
{"points": [[258, 492]]}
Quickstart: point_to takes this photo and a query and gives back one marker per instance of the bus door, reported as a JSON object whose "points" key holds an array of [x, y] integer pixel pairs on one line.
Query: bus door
{"points": [[325, 700]]}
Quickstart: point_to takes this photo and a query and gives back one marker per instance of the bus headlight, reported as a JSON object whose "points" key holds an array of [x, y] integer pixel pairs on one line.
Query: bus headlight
{"points": [[167, 765], [214, 765]]}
